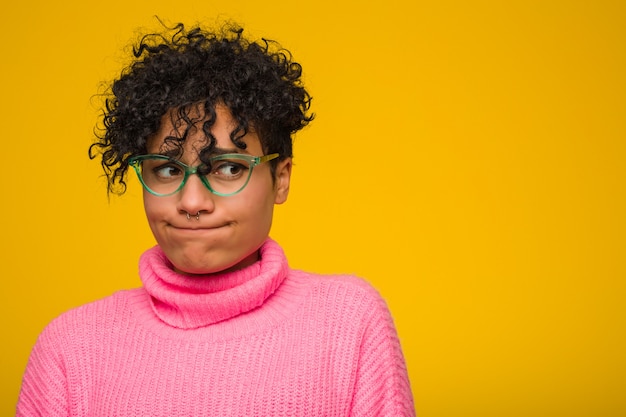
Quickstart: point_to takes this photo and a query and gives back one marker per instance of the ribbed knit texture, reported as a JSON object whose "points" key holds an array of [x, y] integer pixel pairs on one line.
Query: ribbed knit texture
{"points": [[262, 341]]}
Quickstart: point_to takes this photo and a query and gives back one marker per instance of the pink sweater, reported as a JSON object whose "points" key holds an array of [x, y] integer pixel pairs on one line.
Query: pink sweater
{"points": [[262, 341]]}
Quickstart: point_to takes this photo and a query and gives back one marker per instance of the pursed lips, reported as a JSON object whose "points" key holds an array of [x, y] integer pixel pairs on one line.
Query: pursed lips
{"points": [[198, 227]]}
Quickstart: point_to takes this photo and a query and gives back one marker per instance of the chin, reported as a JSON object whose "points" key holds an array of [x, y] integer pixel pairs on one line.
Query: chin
{"points": [[198, 270], [187, 269], [192, 263]]}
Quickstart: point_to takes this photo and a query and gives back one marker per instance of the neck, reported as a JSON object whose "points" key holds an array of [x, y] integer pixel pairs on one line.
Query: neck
{"points": [[191, 300]]}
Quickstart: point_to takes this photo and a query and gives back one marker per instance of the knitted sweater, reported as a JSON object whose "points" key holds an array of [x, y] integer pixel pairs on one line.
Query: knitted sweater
{"points": [[262, 341]]}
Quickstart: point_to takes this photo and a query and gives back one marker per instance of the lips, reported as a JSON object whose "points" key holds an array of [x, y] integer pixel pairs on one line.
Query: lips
{"points": [[199, 227]]}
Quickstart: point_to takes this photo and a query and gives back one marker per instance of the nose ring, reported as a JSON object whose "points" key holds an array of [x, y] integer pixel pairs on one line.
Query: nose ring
{"points": [[197, 216]]}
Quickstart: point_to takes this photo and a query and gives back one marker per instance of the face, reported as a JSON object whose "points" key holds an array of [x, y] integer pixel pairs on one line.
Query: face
{"points": [[230, 230]]}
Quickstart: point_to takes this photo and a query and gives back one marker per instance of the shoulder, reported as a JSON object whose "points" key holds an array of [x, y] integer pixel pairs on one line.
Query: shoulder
{"points": [[346, 292], [98, 309], [345, 282], [91, 317]]}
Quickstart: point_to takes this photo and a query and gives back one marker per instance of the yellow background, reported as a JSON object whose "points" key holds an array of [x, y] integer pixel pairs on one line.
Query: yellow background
{"points": [[468, 159]]}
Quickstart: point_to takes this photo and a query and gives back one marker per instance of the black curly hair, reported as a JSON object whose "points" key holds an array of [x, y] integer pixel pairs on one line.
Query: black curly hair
{"points": [[182, 71]]}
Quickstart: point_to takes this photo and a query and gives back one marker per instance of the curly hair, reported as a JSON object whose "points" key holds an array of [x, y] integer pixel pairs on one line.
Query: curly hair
{"points": [[181, 71]]}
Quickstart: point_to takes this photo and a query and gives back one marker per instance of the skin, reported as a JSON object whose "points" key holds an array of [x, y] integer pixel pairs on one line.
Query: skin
{"points": [[231, 229]]}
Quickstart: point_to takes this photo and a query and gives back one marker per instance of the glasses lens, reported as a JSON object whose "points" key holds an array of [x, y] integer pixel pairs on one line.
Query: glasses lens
{"points": [[161, 176], [228, 174]]}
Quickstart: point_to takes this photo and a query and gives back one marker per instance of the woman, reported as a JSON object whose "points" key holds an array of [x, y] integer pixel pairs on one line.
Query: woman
{"points": [[221, 326]]}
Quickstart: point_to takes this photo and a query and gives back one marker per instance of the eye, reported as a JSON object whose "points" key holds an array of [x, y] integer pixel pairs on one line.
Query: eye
{"points": [[167, 171], [228, 169]]}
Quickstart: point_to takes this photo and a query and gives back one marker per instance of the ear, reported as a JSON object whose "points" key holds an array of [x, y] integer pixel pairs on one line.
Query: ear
{"points": [[282, 180]]}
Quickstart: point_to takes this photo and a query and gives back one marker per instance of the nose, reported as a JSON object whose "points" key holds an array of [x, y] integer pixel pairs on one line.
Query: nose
{"points": [[194, 197]]}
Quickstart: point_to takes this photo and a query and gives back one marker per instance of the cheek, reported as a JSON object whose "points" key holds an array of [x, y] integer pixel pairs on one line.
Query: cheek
{"points": [[253, 210], [148, 204], [260, 201], [154, 207]]}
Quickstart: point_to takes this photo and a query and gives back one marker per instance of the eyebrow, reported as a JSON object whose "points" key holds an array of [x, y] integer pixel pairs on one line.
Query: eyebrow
{"points": [[172, 153], [223, 151]]}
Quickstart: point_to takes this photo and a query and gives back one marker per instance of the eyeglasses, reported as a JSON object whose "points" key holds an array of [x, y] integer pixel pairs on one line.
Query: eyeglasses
{"points": [[224, 175]]}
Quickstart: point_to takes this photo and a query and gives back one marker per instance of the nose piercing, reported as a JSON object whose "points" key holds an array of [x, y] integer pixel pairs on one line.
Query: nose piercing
{"points": [[197, 215]]}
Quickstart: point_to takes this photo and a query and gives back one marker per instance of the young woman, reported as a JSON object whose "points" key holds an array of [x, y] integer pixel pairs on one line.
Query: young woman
{"points": [[221, 326]]}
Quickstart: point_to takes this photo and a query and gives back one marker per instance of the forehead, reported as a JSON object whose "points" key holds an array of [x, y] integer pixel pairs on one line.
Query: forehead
{"points": [[195, 130]]}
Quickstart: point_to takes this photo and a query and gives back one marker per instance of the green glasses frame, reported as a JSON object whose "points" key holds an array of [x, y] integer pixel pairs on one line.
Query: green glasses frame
{"points": [[253, 161]]}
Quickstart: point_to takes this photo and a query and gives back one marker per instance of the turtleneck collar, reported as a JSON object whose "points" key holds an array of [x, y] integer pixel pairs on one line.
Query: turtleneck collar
{"points": [[189, 302]]}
